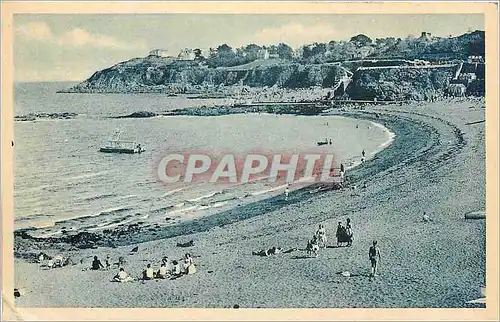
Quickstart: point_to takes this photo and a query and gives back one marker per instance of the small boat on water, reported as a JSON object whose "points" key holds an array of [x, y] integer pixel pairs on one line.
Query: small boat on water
{"points": [[115, 145]]}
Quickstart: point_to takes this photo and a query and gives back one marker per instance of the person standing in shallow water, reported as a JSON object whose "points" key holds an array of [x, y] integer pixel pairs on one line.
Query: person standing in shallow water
{"points": [[374, 254], [363, 156]]}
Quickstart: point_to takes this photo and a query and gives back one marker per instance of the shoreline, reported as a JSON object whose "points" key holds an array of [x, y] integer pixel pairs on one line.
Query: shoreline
{"points": [[90, 238], [433, 165]]}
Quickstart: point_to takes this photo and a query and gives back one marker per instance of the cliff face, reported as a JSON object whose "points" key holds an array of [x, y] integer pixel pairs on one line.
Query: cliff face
{"points": [[157, 73], [400, 83]]}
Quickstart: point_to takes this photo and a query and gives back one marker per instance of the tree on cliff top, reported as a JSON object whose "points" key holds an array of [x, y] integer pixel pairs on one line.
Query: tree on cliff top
{"points": [[361, 40], [223, 56], [284, 51]]}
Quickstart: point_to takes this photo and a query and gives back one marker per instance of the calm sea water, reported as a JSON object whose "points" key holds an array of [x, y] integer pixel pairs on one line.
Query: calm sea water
{"points": [[63, 182]]}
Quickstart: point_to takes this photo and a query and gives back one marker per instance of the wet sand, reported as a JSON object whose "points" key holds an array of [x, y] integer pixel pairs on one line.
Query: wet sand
{"points": [[435, 165]]}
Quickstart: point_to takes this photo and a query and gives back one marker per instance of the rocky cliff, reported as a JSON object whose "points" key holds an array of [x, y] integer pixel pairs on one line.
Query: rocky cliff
{"points": [[160, 74], [406, 83]]}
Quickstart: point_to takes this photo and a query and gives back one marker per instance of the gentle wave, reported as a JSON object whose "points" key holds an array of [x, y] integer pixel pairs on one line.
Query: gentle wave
{"points": [[98, 197], [261, 192], [210, 195], [105, 212], [85, 176], [171, 192]]}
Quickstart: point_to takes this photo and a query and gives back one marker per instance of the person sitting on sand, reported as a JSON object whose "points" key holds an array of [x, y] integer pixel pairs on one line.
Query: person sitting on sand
{"points": [[68, 261], [176, 269], [108, 264], [188, 261], [96, 264], [121, 261], [191, 269], [58, 261], [269, 252], [164, 260], [374, 254], [122, 276], [148, 273], [163, 271], [312, 246], [321, 236]]}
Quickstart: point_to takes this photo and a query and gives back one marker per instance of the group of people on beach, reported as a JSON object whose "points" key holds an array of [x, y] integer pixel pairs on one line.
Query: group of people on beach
{"points": [[54, 262], [319, 239], [170, 271], [167, 269], [344, 234]]}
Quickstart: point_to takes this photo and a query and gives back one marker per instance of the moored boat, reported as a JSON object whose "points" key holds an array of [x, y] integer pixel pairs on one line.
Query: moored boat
{"points": [[119, 146]]}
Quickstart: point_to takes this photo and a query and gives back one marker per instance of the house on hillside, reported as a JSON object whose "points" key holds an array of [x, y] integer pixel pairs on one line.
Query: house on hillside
{"points": [[186, 54], [263, 54], [426, 36], [159, 53]]}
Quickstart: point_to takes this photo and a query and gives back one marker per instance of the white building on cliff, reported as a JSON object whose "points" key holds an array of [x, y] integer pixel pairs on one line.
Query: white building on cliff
{"points": [[159, 53]]}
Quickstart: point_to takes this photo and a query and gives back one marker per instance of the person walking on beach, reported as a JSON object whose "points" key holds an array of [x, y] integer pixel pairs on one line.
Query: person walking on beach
{"points": [[374, 254], [321, 235], [287, 192], [342, 173], [348, 228], [363, 156]]}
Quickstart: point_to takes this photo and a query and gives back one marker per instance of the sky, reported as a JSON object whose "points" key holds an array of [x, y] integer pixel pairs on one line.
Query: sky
{"points": [[71, 47]]}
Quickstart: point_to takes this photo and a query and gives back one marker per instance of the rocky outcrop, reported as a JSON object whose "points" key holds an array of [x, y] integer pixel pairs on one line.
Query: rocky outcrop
{"points": [[140, 114], [34, 116], [406, 83], [158, 74]]}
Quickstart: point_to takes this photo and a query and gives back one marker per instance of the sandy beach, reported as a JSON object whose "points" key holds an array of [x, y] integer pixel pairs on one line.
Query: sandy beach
{"points": [[435, 165]]}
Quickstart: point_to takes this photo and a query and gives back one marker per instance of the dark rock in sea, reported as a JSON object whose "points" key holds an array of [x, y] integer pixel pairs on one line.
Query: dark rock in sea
{"points": [[141, 114], [167, 219], [188, 244], [33, 116], [135, 249], [236, 306]]}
